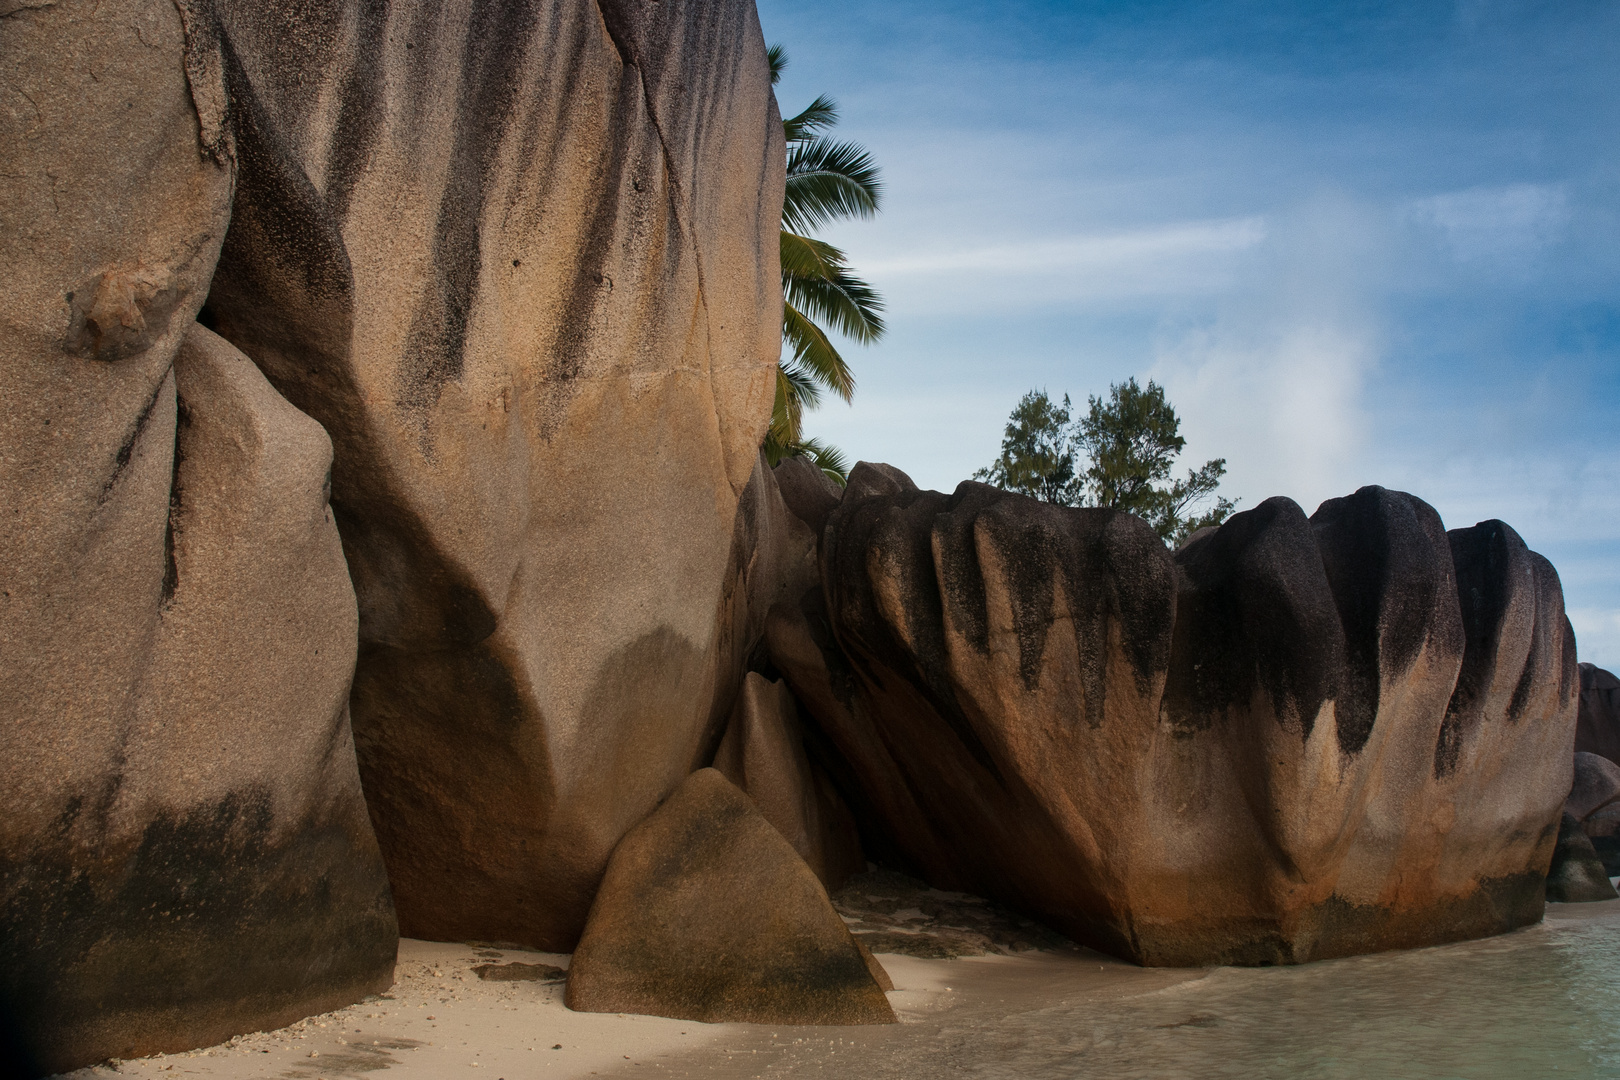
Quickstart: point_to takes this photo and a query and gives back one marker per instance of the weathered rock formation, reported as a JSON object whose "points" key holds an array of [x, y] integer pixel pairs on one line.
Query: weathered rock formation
{"points": [[184, 851], [1596, 785], [1577, 874], [1594, 804], [707, 914], [1602, 827], [1294, 738], [519, 259], [1597, 730], [763, 753]]}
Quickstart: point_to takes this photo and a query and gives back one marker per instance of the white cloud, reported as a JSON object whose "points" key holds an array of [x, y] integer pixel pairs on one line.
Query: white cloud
{"points": [[1274, 384], [1497, 224], [1096, 270], [1282, 404], [1110, 252]]}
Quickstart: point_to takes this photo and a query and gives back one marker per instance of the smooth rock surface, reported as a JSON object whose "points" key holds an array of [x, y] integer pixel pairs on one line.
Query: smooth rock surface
{"points": [[705, 913], [185, 854], [763, 754], [810, 494], [225, 878], [520, 260], [1596, 785], [1294, 739], [1597, 731], [1577, 875]]}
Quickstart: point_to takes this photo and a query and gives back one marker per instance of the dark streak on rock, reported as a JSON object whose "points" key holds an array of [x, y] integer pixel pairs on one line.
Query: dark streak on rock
{"points": [[1491, 565], [881, 532], [171, 566], [1389, 566], [491, 74], [1545, 641], [361, 113], [1254, 612], [278, 211], [126, 449]]}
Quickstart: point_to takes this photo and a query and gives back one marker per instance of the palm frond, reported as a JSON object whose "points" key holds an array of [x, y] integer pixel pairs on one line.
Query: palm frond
{"points": [[828, 180], [843, 302], [829, 459], [801, 385], [814, 353], [787, 411], [805, 256], [819, 115], [816, 280]]}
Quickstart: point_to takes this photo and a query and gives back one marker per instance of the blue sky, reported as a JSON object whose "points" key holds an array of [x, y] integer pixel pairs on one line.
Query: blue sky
{"points": [[1358, 243]]}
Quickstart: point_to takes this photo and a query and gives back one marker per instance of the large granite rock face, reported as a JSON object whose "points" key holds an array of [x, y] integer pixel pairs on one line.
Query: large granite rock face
{"points": [[185, 853], [1293, 738], [707, 914], [518, 258], [1597, 731]]}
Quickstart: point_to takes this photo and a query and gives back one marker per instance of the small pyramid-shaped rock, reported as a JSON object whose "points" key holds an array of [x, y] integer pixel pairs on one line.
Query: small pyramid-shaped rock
{"points": [[706, 913]]}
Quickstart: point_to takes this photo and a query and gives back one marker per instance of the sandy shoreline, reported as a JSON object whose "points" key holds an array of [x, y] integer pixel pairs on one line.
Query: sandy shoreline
{"points": [[971, 1016], [440, 1019]]}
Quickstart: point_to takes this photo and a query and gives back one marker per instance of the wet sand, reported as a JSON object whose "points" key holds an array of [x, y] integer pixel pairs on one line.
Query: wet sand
{"points": [[1544, 1001]]}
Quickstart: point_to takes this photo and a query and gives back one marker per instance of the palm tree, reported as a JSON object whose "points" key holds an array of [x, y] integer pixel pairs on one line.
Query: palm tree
{"points": [[826, 181]]}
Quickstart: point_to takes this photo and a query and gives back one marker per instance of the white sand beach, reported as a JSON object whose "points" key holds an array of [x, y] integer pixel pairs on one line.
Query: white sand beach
{"points": [[1548, 993], [441, 1019]]}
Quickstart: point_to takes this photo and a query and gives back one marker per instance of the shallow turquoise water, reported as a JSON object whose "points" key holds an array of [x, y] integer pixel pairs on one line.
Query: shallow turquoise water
{"points": [[1542, 1002]]}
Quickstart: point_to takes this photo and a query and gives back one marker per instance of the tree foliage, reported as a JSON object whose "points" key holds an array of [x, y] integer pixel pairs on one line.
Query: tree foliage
{"points": [[1037, 453], [1120, 454], [827, 181]]}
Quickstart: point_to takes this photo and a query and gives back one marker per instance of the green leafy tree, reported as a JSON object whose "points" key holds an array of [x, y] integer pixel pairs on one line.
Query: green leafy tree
{"points": [[1128, 443], [1037, 453], [827, 181]]}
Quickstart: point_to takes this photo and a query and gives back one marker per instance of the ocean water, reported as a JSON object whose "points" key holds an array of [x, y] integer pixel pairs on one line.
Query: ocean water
{"points": [[1541, 1002]]}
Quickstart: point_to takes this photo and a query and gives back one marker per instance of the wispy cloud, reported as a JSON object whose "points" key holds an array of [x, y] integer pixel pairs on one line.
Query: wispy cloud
{"points": [[1108, 252], [1274, 382], [1281, 402], [1177, 259], [1508, 222]]}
